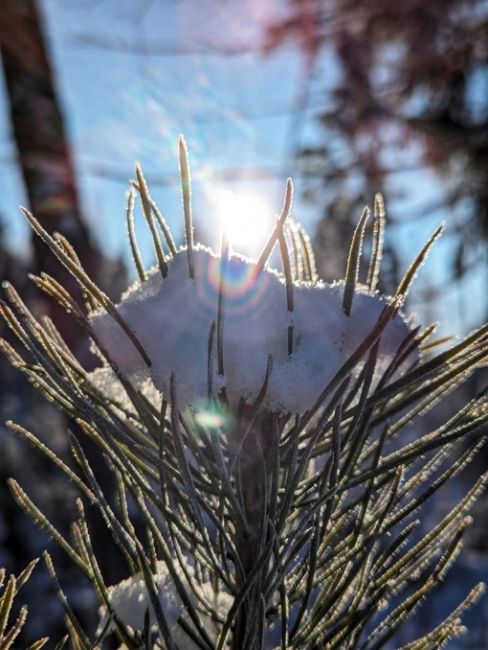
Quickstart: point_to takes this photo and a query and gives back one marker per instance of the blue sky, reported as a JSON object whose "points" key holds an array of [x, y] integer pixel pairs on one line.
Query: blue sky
{"points": [[132, 76]]}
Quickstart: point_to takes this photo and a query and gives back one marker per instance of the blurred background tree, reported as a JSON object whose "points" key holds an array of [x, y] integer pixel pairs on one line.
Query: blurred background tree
{"points": [[43, 151], [412, 94]]}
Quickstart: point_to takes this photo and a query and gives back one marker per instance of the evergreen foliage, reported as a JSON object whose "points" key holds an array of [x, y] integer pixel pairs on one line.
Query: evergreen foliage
{"points": [[267, 529]]}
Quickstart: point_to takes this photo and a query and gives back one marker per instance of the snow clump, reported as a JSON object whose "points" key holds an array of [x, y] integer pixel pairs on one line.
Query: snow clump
{"points": [[172, 318], [130, 601]]}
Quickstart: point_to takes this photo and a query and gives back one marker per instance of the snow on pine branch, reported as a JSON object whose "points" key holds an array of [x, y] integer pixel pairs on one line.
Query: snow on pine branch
{"points": [[173, 318], [130, 601]]}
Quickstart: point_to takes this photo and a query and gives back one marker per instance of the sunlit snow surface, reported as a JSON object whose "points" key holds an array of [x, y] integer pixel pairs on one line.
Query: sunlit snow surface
{"points": [[172, 319]]}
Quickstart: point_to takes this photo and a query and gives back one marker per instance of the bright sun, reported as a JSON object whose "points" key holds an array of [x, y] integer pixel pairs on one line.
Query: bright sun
{"points": [[246, 218]]}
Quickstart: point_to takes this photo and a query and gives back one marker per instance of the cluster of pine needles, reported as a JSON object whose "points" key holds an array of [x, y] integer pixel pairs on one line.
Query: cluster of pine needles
{"points": [[309, 523]]}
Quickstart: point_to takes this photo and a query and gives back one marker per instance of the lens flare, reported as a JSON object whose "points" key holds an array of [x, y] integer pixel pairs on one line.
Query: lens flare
{"points": [[243, 290], [211, 415]]}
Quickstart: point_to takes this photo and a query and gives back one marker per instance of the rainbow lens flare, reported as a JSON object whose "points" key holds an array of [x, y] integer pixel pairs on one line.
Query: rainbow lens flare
{"points": [[243, 287]]}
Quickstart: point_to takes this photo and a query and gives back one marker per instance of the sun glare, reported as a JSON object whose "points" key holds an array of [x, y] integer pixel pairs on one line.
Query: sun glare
{"points": [[246, 218]]}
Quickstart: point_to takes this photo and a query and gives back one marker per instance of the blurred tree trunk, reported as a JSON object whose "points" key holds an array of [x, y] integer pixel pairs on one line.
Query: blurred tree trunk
{"points": [[45, 159], [43, 151]]}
